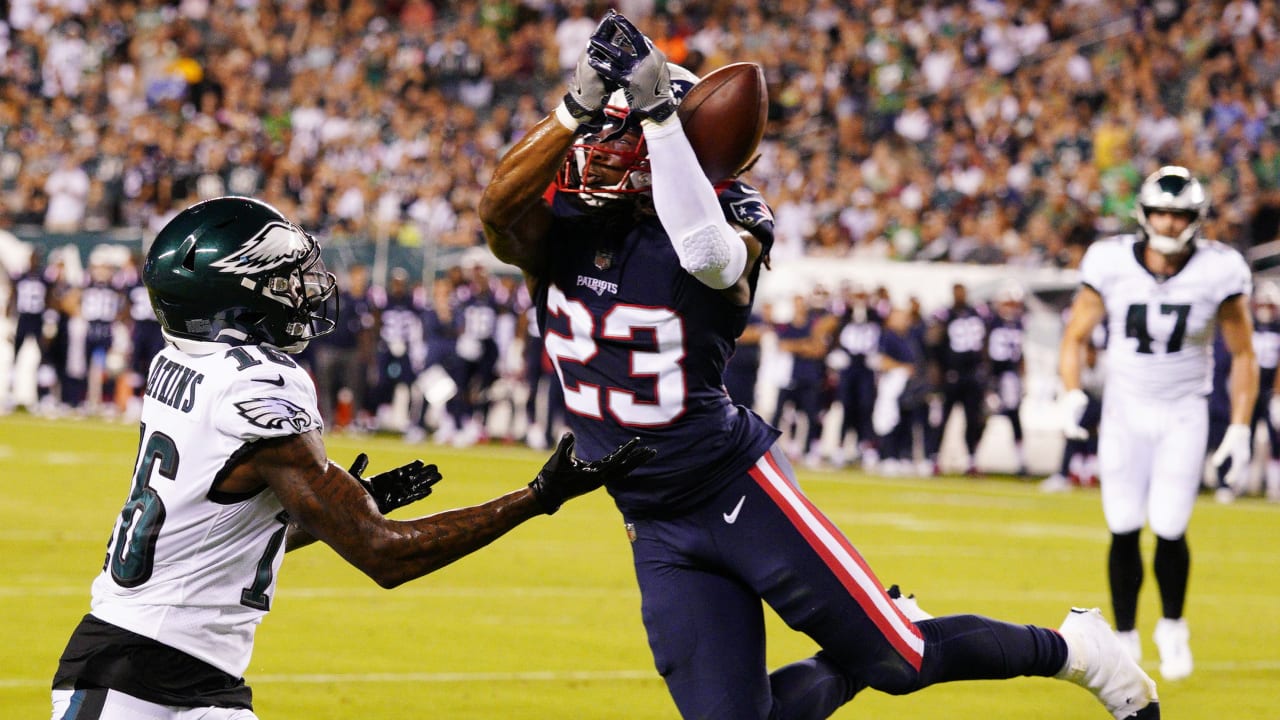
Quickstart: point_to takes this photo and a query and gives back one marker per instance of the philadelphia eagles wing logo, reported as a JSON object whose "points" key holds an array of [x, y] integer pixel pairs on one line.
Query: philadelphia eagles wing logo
{"points": [[277, 243], [275, 414]]}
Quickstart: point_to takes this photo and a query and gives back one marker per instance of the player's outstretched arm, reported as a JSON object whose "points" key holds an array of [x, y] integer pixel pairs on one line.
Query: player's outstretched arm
{"points": [[327, 503], [516, 218], [1236, 324]]}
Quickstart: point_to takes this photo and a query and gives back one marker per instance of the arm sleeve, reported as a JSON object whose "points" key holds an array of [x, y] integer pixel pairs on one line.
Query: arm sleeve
{"points": [[707, 245]]}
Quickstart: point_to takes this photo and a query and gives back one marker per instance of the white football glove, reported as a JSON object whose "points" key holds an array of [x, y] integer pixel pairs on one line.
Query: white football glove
{"points": [[1273, 409], [1236, 446], [1072, 406]]}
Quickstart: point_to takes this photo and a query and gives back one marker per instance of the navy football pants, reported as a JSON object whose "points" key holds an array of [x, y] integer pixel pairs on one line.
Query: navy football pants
{"points": [[702, 576]]}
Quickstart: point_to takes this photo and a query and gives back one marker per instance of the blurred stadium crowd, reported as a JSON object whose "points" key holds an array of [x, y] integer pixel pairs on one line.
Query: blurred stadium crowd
{"points": [[981, 132]]}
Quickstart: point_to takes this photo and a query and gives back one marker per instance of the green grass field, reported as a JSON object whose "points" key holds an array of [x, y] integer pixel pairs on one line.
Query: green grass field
{"points": [[545, 623]]}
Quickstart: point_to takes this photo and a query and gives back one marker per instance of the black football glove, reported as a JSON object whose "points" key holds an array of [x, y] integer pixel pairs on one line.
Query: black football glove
{"points": [[565, 476], [396, 488], [631, 58]]}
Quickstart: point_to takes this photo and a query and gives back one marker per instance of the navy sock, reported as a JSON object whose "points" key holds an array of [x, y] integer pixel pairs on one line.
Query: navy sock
{"points": [[972, 647], [810, 689]]}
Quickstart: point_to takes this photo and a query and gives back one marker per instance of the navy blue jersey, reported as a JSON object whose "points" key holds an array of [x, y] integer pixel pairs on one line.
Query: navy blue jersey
{"points": [[1004, 344], [30, 294], [401, 323], [859, 334], [1220, 396], [100, 304], [355, 315], [898, 347], [1266, 344], [140, 310], [804, 370], [640, 347], [964, 334]]}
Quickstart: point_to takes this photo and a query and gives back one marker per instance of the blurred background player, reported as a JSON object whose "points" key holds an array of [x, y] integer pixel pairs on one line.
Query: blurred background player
{"points": [[858, 338], [1266, 345], [957, 336], [1005, 335], [805, 339], [342, 359], [29, 301], [401, 348], [1163, 291]]}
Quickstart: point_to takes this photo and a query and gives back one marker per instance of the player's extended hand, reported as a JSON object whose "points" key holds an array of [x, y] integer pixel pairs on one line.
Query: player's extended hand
{"points": [[589, 88], [565, 476], [1236, 446], [396, 488], [644, 72], [1072, 405]]}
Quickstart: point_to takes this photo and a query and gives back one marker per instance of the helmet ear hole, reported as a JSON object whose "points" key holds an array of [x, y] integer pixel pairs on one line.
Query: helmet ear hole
{"points": [[189, 262]]}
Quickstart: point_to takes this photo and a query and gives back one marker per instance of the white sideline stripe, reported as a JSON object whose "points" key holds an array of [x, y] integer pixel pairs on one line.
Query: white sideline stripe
{"points": [[871, 589], [419, 677], [553, 676]]}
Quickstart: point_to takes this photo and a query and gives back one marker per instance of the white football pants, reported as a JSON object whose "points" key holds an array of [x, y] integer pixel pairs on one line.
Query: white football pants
{"points": [[1150, 461]]}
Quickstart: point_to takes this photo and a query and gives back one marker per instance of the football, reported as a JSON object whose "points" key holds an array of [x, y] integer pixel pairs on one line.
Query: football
{"points": [[724, 116]]}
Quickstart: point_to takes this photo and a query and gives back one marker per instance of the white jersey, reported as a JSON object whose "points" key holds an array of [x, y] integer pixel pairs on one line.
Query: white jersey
{"points": [[191, 568], [1161, 332]]}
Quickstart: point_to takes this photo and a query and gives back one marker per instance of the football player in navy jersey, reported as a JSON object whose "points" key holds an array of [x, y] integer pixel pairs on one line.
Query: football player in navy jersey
{"points": [[341, 358], [401, 348], [29, 300], [475, 322], [102, 305], [958, 338], [644, 273], [145, 336], [858, 337], [805, 339], [1266, 345], [1005, 333]]}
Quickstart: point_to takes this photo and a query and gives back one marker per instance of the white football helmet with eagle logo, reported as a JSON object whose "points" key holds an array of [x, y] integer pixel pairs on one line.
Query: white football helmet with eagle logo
{"points": [[235, 270], [1171, 189]]}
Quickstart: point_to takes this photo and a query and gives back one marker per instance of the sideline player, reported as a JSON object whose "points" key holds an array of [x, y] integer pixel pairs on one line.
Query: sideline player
{"points": [[232, 473], [1163, 291], [644, 276]]}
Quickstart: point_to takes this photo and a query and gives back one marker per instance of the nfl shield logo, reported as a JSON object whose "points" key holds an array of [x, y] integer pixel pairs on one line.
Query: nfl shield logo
{"points": [[604, 260]]}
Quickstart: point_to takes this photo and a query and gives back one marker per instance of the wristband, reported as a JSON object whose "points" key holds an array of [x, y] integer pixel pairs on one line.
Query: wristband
{"points": [[566, 118]]}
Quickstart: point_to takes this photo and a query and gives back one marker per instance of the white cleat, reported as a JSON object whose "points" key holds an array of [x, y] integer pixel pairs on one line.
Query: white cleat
{"points": [[1132, 642], [907, 604], [1098, 661], [1173, 640]]}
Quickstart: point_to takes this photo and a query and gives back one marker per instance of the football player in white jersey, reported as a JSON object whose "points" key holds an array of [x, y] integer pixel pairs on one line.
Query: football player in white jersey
{"points": [[1164, 291], [232, 473]]}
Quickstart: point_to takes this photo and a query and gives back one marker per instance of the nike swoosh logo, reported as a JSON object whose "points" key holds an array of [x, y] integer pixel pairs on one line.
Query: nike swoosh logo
{"points": [[732, 517], [278, 382]]}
